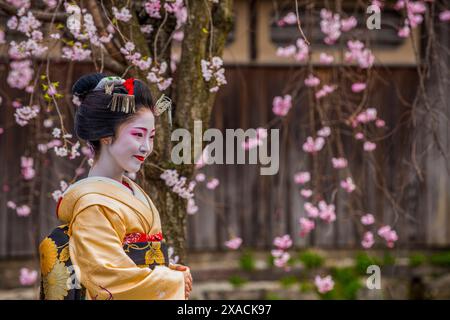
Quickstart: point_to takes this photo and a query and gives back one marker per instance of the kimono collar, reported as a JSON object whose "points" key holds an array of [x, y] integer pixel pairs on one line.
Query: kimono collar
{"points": [[109, 189]]}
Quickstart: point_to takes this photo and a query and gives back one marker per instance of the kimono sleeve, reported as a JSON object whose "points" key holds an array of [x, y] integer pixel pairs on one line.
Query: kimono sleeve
{"points": [[104, 268]]}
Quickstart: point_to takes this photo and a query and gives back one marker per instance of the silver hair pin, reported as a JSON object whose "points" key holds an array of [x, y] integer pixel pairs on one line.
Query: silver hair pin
{"points": [[162, 104]]}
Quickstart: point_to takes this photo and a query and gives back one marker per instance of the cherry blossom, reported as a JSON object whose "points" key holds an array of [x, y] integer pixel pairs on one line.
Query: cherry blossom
{"points": [[282, 105], [306, 226], [27, 170], [122, 14], [357, 53], [233, 243], [27, 277], [389, 235], [330, 25], [348, 185], [156, 75], [178, 184], [76, 52], [348, 24], [313, 145], [152, 7], [23, 211], [213, 70], [212, 184], [311, 210], [289, 19], [326, 58], [302, 177], [283, 242], [325, 90], [369, 146], [20, 74], [367, 219], [306, 193], [324, 284], [327, 211], [368, 240], [324, 132], [358, 87], [312, 81], [339, 163], [444, 16]]}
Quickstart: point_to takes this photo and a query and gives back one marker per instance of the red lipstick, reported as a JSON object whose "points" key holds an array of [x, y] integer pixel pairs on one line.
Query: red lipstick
{"points": [[140, 158]]}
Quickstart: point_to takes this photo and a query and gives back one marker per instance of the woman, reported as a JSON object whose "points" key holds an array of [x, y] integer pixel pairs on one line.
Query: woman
{"points": [[115, 242]]}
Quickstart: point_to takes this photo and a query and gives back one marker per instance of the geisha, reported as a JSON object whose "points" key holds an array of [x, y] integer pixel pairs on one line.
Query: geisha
{"points": [[112, 237]]}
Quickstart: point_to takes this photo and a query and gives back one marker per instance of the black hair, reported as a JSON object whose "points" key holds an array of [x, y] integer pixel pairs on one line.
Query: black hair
{"points": [[93, 118]]}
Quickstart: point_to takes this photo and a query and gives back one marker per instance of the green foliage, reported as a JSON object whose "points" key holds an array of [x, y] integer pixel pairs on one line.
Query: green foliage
{"points": [[306, 286], [388, 259], [247, 261], [441, 259], [346, 285], [311, 260], [363, 260], [272, 296], [288, 281], [237, 281], [417, 259]]}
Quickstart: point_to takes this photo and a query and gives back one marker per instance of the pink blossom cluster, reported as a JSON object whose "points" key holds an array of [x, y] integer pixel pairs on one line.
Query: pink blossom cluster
{"points": [[27, 170], [339, 163], [178, 184], [324, 284], [135, 57], [326, 58], [313, 145], [43, 148], [388, 234], [414, 13], [152, 7], [261, 134], [325, 90], [27, 277], [57, 194], [300, 52], [76, 52], [123, 14], [282, 105], [213, 70], [332, 25], [179, 10], [348, 185], [357, 53], [280, 254], [323, 211], [24, 114], [306, 226], [21, 74], [156, 75], [444, 16], [289, 19], [19, 3], [312, 81], [234, 243], [21, 211]]}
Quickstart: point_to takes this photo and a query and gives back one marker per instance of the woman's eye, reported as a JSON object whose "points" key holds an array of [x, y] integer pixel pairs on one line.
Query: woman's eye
{"points": [[138, 134], [151, 137]]}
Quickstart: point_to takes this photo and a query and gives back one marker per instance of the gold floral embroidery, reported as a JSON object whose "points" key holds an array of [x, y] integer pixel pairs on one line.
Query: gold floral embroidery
{"points": [[64, 255], [48, 254], [55, 283], [154, 254]]}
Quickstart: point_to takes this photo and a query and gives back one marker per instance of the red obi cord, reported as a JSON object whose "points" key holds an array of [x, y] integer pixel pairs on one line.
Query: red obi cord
{"points": [[142, 237]]}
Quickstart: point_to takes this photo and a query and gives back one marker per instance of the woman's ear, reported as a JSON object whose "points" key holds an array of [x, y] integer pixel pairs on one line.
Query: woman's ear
{"points": [[107, 140]]}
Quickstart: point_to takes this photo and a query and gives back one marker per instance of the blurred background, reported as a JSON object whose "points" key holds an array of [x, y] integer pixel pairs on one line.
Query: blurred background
{"points": [[397, 161]]}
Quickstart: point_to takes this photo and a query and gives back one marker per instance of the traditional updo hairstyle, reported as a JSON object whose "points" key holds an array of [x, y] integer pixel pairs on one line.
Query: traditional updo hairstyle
{"points": [[94, 118]]}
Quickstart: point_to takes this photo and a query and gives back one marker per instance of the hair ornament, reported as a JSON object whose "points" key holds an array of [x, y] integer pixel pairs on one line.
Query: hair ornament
{"points": [[162, 104]]}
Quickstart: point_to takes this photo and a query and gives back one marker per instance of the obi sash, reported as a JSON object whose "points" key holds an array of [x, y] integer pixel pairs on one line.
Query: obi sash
{"points": [[146, 251]]}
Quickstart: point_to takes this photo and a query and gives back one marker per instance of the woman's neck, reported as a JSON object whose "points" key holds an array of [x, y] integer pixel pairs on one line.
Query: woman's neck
{"points": [[104, 167]]}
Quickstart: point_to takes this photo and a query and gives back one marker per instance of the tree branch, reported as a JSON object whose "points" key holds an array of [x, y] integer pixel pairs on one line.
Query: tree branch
{"points": [[40, 15]]}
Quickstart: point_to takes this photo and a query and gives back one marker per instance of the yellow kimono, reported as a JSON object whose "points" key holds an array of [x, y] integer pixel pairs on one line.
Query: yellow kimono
{"points": [[100, 213]]}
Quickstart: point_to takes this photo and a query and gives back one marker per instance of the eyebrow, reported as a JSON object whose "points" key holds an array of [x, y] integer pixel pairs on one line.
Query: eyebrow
{"points": [[153, 130]]}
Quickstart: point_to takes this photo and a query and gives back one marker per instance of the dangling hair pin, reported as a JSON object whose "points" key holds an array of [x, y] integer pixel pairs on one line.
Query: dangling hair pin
{"points": [[162, 104]]}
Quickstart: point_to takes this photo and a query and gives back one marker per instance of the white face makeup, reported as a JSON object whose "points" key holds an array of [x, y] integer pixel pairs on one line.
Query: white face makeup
{"points": [[134, 142]]}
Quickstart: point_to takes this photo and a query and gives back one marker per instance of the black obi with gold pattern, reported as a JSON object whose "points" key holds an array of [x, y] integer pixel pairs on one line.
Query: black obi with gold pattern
{"points": [[58, 277]]}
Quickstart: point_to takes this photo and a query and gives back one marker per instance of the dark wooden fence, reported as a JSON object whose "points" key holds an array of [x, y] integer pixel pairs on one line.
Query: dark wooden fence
{"points": [[250, 205]]}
